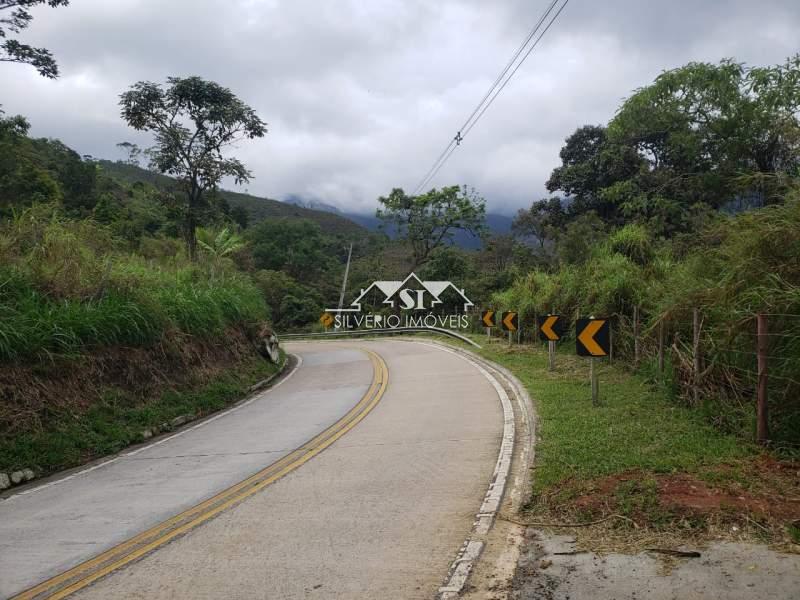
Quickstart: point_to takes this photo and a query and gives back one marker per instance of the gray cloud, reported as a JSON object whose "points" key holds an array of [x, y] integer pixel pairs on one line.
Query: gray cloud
{"points": [[361, 96]]}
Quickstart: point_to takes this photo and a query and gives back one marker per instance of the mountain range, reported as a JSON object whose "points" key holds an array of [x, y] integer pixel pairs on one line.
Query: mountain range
{"points": [[496, 223]]}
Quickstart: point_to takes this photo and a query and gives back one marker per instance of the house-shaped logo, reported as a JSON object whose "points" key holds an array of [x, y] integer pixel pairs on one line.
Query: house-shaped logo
{"points": [[409, 294]]}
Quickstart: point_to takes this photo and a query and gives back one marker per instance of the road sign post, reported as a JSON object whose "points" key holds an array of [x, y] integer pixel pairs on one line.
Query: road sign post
{"points": [[510, 322], [488, 320], [551, 328], [592, 339]]}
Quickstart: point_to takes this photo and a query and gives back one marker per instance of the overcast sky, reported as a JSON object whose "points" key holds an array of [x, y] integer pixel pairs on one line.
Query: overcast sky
{"points": [[362, 95]]}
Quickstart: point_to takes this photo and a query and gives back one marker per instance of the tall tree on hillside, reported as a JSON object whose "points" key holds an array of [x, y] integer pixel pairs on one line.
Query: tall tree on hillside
{"points": [[194, 121], [544, 220], [707, 134], [15, 21], [429, 221], [589, 164]]}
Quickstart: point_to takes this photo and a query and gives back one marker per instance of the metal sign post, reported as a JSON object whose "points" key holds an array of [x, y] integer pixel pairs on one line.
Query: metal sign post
{"points": [[592, 340], [510, 322], [551, 328], [488, 320]]}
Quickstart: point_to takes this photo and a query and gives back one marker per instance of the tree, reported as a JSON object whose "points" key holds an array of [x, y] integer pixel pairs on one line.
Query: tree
{"points": [[18, 19], [447, 264], [194, 122], [429, 221], [295, 246], [133, 151], [705, 132], [240, 216], [543, 221], [499, 251], [580, 236], [591, 163]]}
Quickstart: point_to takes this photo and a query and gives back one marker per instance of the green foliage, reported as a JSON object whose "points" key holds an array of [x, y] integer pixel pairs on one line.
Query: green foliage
{"points": [[634, 242], [294, 246], [575, 244], [12, 50], [219, 244], [276, 287], [193, 121], [299, 311], [118, 419], [429, 221], [698, 137], [67, 286], [636, 427], [447, 264]]}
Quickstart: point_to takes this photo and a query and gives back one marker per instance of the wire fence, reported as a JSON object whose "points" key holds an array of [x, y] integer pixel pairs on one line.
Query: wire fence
{"points": [[743, 370]]}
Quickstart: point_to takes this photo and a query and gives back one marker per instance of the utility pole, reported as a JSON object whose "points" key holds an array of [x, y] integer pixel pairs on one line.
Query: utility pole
{"points": [[344, 281]]}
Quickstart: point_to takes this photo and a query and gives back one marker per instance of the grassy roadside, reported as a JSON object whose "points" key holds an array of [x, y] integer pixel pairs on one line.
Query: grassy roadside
{"points": [[645, 467], [120, 419]]}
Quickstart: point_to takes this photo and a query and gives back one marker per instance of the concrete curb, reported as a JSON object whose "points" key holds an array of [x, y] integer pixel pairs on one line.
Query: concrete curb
{"points": [[473, 546]]}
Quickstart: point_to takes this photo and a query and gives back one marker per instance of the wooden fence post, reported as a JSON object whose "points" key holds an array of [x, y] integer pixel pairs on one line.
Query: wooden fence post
{"points": [[762, 424], [696, 355], [611, 341], [636, 335]]}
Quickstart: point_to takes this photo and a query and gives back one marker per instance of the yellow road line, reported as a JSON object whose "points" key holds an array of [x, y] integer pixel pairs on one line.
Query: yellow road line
{"points": [[93, 569]]}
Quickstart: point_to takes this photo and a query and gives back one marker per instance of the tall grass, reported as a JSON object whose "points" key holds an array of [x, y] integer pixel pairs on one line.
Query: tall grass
{"points": [[68, 287], [738, 267]]}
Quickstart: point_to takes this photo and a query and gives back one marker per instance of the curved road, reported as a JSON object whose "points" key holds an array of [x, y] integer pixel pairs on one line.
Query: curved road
{"points": [[380, 513]]}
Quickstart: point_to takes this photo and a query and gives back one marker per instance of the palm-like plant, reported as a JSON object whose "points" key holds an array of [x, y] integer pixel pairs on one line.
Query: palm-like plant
{"points": [[219, 244]]}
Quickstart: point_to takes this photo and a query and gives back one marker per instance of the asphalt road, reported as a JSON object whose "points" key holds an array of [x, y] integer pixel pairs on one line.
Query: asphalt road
{"points": [[380, 513]]}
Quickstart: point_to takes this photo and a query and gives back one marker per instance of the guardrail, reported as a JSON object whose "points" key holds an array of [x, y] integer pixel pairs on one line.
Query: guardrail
{"points": [[363, 332]]}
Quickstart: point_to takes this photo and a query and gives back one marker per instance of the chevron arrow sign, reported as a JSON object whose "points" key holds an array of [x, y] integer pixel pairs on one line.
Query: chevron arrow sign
{"points": [[591, 337]]}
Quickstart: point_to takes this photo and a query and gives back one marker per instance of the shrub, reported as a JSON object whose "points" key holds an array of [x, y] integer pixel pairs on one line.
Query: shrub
{"points": [[66, 286]]}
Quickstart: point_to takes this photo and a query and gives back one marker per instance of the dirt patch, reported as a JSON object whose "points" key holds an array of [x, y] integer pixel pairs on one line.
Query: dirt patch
{"points": [[689, 495], [757, 499], [32, 395]]}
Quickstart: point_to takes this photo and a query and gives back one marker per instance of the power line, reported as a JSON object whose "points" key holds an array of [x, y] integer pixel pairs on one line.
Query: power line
{"points": [[510, 62], [458, 137], [492, 92], [515, 69]]}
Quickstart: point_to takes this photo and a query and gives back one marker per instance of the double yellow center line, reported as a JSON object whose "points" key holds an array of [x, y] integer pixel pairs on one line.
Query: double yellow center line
{"points": [[93, 569]]}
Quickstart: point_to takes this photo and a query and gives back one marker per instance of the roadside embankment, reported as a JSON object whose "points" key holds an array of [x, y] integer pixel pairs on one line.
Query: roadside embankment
{"points": [[102, 347]]}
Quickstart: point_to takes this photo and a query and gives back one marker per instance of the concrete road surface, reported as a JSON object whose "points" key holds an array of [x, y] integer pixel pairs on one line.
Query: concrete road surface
{"points": [[380, 513]]}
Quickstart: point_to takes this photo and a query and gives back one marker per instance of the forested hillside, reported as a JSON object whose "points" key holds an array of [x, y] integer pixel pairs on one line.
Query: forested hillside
{"points": [[680, 220], [238, 204]]}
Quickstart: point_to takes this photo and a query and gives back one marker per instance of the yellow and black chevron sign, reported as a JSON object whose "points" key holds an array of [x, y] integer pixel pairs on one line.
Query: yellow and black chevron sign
{"points": [[510, 321], [592, 338], [488, 318], [551, 327]]}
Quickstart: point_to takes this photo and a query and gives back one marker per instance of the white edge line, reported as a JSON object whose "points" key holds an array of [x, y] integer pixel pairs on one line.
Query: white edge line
{"points": [[472, 547], [203, 423]]}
